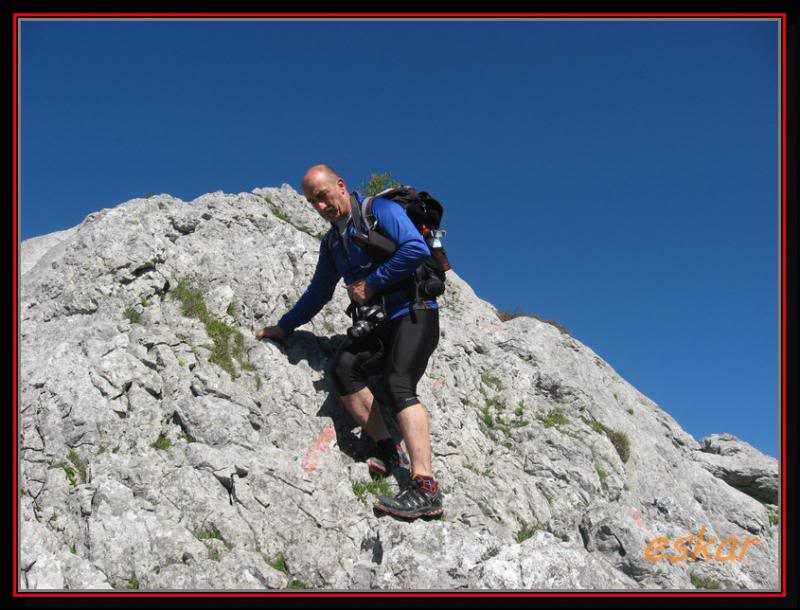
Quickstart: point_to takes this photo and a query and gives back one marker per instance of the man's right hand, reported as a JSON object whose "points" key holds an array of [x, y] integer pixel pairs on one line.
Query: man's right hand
{"points": [[271, 332]]}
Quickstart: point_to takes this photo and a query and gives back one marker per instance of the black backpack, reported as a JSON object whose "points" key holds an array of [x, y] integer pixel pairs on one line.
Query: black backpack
{"points": [[425, 212]]}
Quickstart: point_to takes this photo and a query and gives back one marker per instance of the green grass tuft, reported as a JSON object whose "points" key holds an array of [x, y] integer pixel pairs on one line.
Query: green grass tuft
{"points": [[298, 584], [212, 533], [221, 334], [193, 305], [499, 405], [162, 442], [603, 476], [378, 487], [620, 440], [208, 534], [554, 418], [525, 533], [280, 564], [622, 443], [229, 343], [79, 464], [492, 381], [131, 314], [700, 582], [502, 425]]}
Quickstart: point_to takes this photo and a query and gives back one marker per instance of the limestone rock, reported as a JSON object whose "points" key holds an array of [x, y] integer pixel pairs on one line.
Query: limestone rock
{"points": [[741, 466], [163, 447]]}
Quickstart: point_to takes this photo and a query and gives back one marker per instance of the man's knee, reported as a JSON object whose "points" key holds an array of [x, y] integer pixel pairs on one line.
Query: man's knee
{"points": [[401, 390], [406, 403], [343, 374], [342, 365]]}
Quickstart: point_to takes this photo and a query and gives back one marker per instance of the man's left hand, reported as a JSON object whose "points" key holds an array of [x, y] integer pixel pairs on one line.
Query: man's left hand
{"points": [[360, 291]]}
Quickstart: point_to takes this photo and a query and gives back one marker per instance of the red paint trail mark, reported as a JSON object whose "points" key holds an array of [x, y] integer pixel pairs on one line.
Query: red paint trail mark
{"points": [[637, 518], [311, 460]]}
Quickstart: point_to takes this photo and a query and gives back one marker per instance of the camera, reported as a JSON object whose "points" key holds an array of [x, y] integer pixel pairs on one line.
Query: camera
{"points": [[366, 318], [430, 280], [431, 287]]}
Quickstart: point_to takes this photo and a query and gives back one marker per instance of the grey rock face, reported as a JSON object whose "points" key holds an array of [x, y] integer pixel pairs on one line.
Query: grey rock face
{"points": [[162, 447], [741, 466]]}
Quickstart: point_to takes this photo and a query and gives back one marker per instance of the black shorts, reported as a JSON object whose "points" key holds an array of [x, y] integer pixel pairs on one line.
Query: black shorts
{"points": [[398, 350]]}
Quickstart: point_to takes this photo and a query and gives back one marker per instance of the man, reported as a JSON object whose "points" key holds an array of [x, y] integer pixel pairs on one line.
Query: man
{"points": [[401, 345]]}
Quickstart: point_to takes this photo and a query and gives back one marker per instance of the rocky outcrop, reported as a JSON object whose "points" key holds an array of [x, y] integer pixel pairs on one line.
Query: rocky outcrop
{"points": [[741, 466], [162, 447]]}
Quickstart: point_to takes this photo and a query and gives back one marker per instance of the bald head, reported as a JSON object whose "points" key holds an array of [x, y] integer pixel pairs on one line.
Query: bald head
{"points": [[327, 192], [320, 172]]}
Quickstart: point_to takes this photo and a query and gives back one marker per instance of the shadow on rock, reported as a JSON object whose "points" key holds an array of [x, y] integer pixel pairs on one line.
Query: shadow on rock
{"points": [[320, 353], [317, 351]]}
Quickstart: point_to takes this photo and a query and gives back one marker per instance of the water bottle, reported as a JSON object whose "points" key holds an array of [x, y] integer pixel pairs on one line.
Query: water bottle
{"points": [[434, 241]]}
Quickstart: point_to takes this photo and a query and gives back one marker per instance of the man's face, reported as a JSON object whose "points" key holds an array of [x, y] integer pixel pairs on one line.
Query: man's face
{"points": [[328, 196]]}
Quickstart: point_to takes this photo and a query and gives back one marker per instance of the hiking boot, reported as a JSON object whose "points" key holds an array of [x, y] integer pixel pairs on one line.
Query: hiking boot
{"points": [[421, 498], [387, 459]]}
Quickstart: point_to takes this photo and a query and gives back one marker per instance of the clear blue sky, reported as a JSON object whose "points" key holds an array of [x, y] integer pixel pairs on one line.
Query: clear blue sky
{"points": [[619, 177]]}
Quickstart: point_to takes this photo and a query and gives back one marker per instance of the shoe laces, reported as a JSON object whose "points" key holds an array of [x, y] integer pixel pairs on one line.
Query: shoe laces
{"points": [[413, 489]]}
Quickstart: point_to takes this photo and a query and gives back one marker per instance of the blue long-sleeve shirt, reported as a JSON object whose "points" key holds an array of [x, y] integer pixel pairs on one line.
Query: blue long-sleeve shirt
{"points": [[335, 263]]}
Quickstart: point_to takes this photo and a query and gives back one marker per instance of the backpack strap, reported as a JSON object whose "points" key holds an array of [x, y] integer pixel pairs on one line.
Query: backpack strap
{"points": [[368, 215], [376, 245], [355, 208]]}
